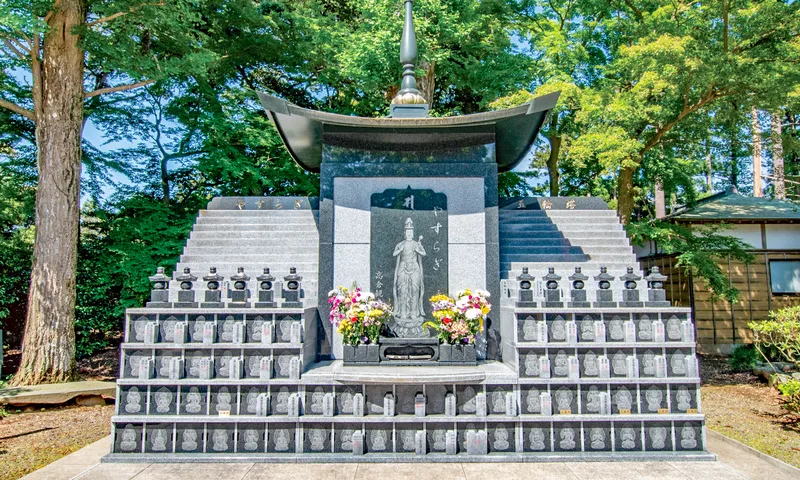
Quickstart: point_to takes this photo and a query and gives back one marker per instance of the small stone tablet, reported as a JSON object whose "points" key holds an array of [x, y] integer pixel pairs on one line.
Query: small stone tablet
{"points": [[150, 333], [180, 334], [420, 445], [262, 405], [451, 443], [175, 368], [265, 368], [294, 368], [209, 333], [419, 405], [511, 404], [544, 367], [632, 366], [630, 331], [358, 405], [480, 404], [450, 405], [603, 367], [605, 403], [206, 369], [238, 334], [146, 367], [295, 334], [294, 405], [541, 331], [572, 332], [687, 331], [328, 402], [388, 405], [599, 331], [691, 366], [659, 331], [574, 368], [266, 333], [358, 443], [661, 366], [546, 404]]}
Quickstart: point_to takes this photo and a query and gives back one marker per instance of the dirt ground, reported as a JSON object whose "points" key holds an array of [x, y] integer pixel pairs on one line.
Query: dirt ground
{"points": [[29, 441], [739, 406]]}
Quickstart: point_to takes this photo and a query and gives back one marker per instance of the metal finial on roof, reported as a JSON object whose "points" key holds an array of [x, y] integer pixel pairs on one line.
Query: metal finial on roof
{"points": [[408, 94]]}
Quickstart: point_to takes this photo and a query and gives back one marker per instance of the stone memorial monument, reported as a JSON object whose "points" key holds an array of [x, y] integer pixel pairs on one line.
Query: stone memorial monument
{"points": [[581, 356]]}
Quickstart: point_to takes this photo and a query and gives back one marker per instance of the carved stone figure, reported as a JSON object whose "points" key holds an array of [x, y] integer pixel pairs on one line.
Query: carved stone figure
{"points": [[282, 400], [439, 440], [533, 401], [133, 401], [194, 364], [624, 399], [163, 365], [561, 364], [678, 363], [590, 366], [531, 364], [529, 330], [564, 398], [346, 436], [469, 405], [285, 328], [645, 328], [223, 400], [227, 329], [346, 401], [193, 401], [283, 365], [597, 437], [559, 328], [649, 363], [250, 440], [536, 437], [618, 364], [653, 396], [189, 440], [138, 328], [220, 440], [567, 439], [317, 439], [163, 398], [128, 443], [258, 324], [616, 330], [378, 440], [658, 437], [628, 438], [674, 329], [197, 334], [134, 362], [159, 440], [224, 365], [407, 439], [498, 401], [316, 400], [587, 329], [500, 438], [688, 439], [169, 329], [409, 285], [683, 398], [254, 365], [252, 401], [593, 400], [282, 440]]}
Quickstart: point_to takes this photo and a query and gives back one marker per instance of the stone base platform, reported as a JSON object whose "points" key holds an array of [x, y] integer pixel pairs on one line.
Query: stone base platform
{"points": [[56, 393], [336, 371]]}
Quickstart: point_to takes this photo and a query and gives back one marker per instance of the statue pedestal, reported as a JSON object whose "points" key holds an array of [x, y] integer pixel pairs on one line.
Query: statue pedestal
{"points": [[409, 351]]}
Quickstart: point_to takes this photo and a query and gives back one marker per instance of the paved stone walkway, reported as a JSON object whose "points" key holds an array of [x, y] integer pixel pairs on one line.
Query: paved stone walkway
{"points": [[734, 462]]}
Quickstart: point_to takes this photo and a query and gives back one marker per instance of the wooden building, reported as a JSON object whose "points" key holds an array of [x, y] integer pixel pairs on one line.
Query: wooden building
{"points": [[771, 281]]}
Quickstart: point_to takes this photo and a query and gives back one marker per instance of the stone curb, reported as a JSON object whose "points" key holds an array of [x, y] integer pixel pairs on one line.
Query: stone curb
{"points": [[752, 451]]}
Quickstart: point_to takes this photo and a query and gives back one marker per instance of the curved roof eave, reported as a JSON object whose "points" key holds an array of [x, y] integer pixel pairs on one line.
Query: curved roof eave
{"points": [[302, 129]]}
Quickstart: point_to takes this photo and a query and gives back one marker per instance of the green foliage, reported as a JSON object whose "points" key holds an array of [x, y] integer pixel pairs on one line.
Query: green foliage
{"points": [[698, 251], [781, 332], [744, 358], [790, 396]]}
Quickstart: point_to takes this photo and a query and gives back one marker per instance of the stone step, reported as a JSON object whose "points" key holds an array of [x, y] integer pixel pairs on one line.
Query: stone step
{"points": [[255, 247], [256, 227], [557, 213], [611, 236], [556, 241], [543, 220], [272, 244], [259, 213], [545, 228], [267, 235], [199, 269], [545, 249], [506, 258], [263, 258], [253, 221]]}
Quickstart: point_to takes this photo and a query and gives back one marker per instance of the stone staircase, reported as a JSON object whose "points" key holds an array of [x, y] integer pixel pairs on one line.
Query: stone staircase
{"points": [[589, 236], [228, 238]]}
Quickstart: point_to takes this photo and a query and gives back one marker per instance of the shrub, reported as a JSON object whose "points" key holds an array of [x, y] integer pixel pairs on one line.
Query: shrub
{"points": [[781, 332], [744, 358], [790, 395]]}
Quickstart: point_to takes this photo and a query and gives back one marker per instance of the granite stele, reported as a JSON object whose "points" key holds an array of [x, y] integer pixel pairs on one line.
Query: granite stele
{"points": [[234, 358]]}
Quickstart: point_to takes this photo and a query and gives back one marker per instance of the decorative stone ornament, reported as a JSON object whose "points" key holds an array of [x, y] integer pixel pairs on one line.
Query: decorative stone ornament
{"points": [[291, 290], [552, 294], [525, 292], [578, 292], [213, 295], [159, 295], [656, 295], [409, 102], [605, 296], [239, 294], [186, 293], [630, 296], [266, 292]]}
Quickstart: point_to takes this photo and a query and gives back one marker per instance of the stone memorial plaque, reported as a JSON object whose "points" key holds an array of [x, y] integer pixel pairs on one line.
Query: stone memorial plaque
{"points": [[451, 442], [541, 331], [328, 405], [420, 443], [605, 403], [296, 333], [687, 331], [631, 366], [450, 405], [419, 405], [358, 405], [238, 336], [235, 367], [511, 404], [266, 333], [661, 366], [180, 335], [477, 443], [205, 369], [357, 443], [630, 331], [544, 367], [209, 333], [603, 367], [599, 331], [176, 368], [388, 405], [659, 331], [150, 333], [294, 368], [546, 404], [146, 369], [293, 405], [572, 332], [573, 368], [409, 254], [480, 404], [265, 368], [691, 366]]}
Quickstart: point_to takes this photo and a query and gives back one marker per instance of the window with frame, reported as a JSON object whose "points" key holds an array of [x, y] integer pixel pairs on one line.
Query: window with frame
{"points": [[784, 277]]}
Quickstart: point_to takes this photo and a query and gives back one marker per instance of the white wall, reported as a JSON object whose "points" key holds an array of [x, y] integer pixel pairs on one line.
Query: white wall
{"points": [[783, 237]]}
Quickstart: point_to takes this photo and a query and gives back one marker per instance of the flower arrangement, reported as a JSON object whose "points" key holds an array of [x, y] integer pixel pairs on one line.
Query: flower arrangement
{"points": [[357, 315], [459, 319]]}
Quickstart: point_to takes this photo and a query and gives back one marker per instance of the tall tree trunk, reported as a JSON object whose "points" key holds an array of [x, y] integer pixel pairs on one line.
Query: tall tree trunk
{"points": [[48, 353], [734, 178], [625, 194], [165, 179], [777, 156], [552, 164], [755, 129], [709, 170], [661, 203], [427, 83]]}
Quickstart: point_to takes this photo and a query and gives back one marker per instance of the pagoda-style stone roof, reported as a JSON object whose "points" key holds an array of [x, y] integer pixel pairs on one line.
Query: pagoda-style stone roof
{"points": [[512, 130]]}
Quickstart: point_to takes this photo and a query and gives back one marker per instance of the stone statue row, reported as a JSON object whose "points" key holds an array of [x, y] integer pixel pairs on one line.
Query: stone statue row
{"points": [[614, 330], [474, 441], [209, 332], [621, 364], [553, 297], [227, 365], [238, 295]]}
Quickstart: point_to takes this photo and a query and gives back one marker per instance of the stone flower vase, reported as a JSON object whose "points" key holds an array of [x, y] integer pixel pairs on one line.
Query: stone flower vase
{"points": [[460, 354], [361, 354]]}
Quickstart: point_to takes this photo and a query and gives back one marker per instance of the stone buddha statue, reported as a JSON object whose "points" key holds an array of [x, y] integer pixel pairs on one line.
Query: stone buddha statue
{"points": [[409, 286]]}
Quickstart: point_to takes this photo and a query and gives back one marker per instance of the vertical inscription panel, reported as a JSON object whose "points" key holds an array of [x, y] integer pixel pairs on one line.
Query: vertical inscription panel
{"points": [[408, 254]]}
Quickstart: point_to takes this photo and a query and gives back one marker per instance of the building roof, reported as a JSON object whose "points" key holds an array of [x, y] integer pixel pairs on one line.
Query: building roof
{"points": [[513, 130], [730, 206]]}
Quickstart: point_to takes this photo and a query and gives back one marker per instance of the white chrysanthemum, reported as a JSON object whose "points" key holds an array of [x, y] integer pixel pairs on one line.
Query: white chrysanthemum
{"points": [[481, 293], [472, 313]]}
